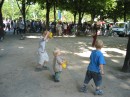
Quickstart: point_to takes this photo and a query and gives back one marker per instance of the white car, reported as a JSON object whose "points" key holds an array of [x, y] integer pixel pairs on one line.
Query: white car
{"points": [[121, 28]]}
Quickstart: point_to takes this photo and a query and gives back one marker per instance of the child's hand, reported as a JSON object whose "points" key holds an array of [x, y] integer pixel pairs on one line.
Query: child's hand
{"points": [[102, 72], [64, 64]]}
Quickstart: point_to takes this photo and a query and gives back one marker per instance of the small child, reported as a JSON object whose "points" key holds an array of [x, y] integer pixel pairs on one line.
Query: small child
{"points": [[57, 64], [43, 57], [95, 69]]}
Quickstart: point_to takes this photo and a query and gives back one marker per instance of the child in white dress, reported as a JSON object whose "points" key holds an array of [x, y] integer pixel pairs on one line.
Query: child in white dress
{"points": [[43, 57]]}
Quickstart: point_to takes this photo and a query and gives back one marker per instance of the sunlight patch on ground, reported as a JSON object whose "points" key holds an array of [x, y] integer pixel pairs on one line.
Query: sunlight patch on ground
{"points": [[20, 47], [82, 48], [84, 54], [66, 52], [76, 67], [32, 36], [116, 61], [81, 43], [106, 55], [104, 51], [125, 86], [128, 80], [1, 49], [91, 48], [115, 50], [66, 36], [86, 62]]}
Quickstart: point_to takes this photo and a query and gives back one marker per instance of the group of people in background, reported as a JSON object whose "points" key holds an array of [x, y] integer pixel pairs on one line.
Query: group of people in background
{"points": [[57, 28]]}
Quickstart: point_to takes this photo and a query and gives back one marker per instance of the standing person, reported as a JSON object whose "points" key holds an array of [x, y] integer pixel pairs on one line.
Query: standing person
{"points": [[94, 34], [21, 28], [43, 57], [14, 26], [95, 69], [59, 28], [57, 64], [107, 29], [65, 28]]}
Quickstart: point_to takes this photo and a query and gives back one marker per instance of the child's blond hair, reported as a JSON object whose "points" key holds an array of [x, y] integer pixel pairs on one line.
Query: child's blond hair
{"points": [[56, 51], [47, 34], [99, 44], [44, 33]]}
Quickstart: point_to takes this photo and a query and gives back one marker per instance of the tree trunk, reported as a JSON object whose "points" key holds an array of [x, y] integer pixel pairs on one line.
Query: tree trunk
{"points": [[80, 18], [24, 14], [1, 20], [54, 11], [92, 17], [126, 66], [23, 11], [75, 17], [125, 11], [82, 15], [47, 14], [115, 19]]}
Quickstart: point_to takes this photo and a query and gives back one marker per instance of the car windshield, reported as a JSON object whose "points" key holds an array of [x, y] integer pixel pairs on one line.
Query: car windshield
{"points": [[120, 25]]}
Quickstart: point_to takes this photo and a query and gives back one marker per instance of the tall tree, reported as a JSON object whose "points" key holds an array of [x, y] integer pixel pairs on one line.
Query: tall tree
{"points": [[10, 10], [46, 4], [126, 65], [22, 10], [122, 9], [1, 20], [79, 7], [47, 13], [23, 7]]}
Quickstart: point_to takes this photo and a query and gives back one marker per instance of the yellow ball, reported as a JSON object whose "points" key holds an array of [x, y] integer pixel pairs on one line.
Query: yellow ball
{"points": [[64, 64], [50, 35]]}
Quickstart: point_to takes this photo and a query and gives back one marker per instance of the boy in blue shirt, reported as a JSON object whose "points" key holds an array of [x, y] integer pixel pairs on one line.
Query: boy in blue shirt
{"points": [[95, 69]]}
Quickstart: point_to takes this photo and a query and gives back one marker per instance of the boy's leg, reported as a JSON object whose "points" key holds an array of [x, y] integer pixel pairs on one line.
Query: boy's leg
{"points": [[86, 81], [57, 76], [83, 88], [98, 81]]}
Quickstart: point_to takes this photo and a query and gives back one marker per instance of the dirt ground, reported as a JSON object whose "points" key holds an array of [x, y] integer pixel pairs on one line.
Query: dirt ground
{"points": [[18, 59]]}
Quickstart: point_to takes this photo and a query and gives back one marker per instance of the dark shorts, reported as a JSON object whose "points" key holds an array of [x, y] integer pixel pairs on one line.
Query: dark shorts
{"points": [[97, 78]]}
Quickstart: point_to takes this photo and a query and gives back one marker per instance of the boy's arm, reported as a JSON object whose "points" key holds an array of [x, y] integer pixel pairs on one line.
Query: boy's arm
{"points": [[101, 69]]}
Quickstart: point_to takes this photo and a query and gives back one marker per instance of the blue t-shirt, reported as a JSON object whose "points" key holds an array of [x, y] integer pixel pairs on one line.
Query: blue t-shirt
{"points": [[96, 58]]}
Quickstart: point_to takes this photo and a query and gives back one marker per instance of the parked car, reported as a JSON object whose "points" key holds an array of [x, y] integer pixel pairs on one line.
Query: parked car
{"points": [[121, 28]]}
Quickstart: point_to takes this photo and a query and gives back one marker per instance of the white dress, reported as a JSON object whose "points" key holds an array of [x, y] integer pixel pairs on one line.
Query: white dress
{"points": [[43, 56]]}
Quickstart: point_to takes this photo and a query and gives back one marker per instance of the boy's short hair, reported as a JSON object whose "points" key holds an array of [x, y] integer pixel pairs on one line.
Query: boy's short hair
{"points": [[99, 43]]}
